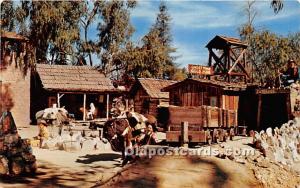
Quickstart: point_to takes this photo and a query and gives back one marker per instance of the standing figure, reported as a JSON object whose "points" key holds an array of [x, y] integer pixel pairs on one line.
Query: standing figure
{"points": [[91, 112], [43, 132], [292, 71]]}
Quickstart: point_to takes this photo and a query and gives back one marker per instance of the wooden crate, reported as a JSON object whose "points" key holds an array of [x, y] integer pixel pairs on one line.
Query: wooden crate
{"points": [[224, 118], [173, 136], [193, 115], [197, 136], [214, 117], [232, 118], [194, 136]]}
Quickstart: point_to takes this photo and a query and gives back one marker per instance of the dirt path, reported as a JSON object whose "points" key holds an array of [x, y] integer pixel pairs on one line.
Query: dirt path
{"points": [[179, 171]]}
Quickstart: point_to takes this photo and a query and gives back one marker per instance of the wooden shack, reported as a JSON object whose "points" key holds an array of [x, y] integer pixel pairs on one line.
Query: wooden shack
{"points": [[73, 87], [260, 108], [198, 92], [147, 95]]}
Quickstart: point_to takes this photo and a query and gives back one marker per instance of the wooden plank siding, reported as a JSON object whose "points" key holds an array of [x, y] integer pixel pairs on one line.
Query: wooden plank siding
{"points": [[197, 95]]}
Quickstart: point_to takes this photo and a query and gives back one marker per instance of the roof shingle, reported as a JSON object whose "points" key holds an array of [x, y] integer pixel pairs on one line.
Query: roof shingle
{"points": [[153, 87], [73, 78]]}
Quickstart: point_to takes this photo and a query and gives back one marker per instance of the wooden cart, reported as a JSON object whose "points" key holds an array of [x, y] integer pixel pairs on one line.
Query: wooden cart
{"points": [[200, 124]]}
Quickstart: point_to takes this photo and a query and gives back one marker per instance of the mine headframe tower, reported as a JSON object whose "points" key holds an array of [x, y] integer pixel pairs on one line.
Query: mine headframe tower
{"points": [[227, 58]]}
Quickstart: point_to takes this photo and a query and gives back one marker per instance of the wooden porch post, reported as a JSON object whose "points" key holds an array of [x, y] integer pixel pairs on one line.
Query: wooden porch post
{"points": [[258, 111], [58, 100], [107, 106], [288, 106], [84, 106]]}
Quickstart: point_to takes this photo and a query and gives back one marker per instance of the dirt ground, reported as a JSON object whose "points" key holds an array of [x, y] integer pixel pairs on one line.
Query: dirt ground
{"points": [[101, 168], [179, 171]]}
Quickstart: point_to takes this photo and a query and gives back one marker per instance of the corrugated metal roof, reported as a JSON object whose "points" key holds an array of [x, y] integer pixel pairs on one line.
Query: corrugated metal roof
{"points": [[153, 87], [73, 78]]}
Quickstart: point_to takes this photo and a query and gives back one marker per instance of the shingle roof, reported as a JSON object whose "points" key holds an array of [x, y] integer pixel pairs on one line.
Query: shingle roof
{"points": [[220, 42], [153, 87], [73, 78], [224, 85], [12, 35]]}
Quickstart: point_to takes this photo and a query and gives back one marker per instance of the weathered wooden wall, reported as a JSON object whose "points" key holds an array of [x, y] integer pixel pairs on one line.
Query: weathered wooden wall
{"points": [[193, 94], [201, 117], [19, 85], [144, 104], [260, 111]]}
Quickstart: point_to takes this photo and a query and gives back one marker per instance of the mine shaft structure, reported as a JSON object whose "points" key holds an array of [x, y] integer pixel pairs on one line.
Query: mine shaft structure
{"points": [[227, 59]]}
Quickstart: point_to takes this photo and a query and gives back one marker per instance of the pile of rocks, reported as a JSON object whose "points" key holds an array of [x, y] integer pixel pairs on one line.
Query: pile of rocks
{"points": [[281, 145], [73, 141], [16, 156]]}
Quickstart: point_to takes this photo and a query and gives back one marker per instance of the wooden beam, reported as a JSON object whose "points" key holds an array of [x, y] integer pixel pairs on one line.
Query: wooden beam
{"points": [[288, 106], [84, 107], [58, 100], [217, 60], [107, 106], [258, 112], [184, 134], [237, 63]]}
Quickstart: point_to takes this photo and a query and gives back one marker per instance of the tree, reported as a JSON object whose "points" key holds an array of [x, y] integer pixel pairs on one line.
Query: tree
{"points": [[114, 33], [7, 15], [86, 46], [51, 26], [267, 51], [163, 29], [153, 58]]}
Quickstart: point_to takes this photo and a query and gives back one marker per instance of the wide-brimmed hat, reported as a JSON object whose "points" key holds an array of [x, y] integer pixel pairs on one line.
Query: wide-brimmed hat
{"points": [[291, 61]]}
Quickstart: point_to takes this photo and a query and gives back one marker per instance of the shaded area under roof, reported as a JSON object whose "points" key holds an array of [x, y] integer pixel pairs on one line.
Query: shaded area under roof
{"points": [[221, 42], [153, 87], [70, 78]]}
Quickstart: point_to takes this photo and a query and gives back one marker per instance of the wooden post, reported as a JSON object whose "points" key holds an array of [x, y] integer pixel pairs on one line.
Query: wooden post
{"points": [[126, 106], [288, 106], [258, 111], [184, 134], [107, 106], [58, 100], [84, 107]]}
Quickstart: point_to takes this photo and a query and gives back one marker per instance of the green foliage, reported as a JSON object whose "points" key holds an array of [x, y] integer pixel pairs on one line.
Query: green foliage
{"points": [[115, 31], [51, 26], [270, 53], [154, 58], [7, 16], [267, 52]]}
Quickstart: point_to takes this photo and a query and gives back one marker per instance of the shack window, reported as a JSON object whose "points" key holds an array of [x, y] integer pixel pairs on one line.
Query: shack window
{"points": [[213, 101]]}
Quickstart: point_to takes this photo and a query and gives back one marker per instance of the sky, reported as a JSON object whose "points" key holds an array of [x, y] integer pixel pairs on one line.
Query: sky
{"points": [[195, 23]]}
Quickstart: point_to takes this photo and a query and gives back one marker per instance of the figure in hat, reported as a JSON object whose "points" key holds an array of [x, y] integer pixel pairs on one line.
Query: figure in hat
{"points": [[292, 71], [43, 132]]}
